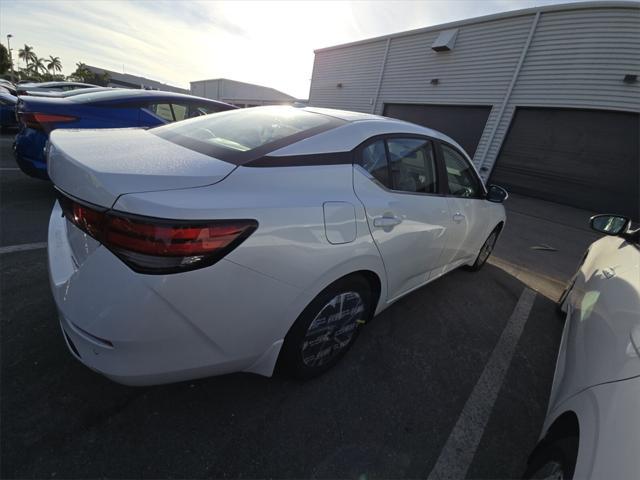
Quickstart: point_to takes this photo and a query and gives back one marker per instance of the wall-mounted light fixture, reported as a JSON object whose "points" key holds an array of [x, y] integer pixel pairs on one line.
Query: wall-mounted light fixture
{"points": [[630, 78], [435, 81], [339, 85]]}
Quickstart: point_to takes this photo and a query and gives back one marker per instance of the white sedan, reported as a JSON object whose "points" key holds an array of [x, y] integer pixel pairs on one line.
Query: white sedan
{"points": [[592, 428], [243, 239]]}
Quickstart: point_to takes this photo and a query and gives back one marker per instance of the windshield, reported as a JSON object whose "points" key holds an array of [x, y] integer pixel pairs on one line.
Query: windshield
{"points": [[245, 130]]}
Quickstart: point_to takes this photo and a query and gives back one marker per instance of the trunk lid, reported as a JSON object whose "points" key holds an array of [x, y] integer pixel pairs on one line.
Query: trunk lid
{"points": [[98, 166]]}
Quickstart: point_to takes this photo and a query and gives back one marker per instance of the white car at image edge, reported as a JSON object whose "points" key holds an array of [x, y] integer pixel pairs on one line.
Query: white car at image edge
{"points": [[247, 238], [592, 428]]}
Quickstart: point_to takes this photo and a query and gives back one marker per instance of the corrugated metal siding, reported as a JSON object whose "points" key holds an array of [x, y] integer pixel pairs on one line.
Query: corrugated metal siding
{"points": [[476, 72], [230, 90], [577, 59], [357, 68]]}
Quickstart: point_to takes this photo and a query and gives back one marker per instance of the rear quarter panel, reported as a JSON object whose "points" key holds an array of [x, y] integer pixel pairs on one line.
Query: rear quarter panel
{"points": [[290, 244]]}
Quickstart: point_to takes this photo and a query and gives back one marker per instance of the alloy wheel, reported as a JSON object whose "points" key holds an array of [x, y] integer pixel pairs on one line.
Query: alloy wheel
{"points": [[332, 329], [550, 471], [487, 248]]}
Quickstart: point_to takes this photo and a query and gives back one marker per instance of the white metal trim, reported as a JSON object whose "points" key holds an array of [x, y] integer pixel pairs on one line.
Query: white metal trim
{"points": [[384, 64], [507, 96]]}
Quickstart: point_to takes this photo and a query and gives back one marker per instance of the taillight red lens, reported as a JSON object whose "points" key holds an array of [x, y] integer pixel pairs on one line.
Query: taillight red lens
{"points": [[154, 246], [43, 121]]}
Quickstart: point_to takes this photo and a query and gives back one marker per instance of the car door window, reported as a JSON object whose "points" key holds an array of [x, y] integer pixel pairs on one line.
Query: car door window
{"points": [[412, 165], [179, 111], [374, 161], [462, 180], [163, 110]]}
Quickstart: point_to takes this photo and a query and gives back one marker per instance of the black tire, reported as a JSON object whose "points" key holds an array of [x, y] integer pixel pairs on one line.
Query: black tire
{"points": [[483, 254], [310, 350], [559, 455]]}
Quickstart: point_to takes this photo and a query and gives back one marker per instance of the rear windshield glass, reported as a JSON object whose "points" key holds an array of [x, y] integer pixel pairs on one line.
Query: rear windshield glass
{"points": [[227, 135]]}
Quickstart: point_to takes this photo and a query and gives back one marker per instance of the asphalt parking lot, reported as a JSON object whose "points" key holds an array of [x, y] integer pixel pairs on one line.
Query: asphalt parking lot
{"points": [[409, 400]]}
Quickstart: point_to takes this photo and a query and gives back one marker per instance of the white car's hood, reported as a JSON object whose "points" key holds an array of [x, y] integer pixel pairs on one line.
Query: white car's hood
{"points": [[100, 165]]}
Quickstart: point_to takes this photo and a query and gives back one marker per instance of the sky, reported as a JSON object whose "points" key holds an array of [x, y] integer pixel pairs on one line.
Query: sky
{"points": [[270, 43]]}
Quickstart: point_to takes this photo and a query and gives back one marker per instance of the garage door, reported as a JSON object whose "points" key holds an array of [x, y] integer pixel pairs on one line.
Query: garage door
{"points": [[463, 123], [584, 158]]}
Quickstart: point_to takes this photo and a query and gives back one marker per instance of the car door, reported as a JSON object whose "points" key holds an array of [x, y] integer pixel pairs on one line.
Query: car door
{"points": [[396, 179], [467, 207]]}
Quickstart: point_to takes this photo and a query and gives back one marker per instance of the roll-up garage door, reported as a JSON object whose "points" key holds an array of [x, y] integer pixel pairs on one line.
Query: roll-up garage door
{"points": [[463, 123], [585, 158]]}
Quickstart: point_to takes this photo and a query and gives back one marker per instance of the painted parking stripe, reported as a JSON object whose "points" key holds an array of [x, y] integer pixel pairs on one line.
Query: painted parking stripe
{"points": [[9, 169], [457, 454], [25, 247]]}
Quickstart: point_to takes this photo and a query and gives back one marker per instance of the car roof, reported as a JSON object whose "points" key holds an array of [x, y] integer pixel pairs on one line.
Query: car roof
{"points": [[134, 94], [357, 129], [345, 115], [69, 93], [56, 84]]}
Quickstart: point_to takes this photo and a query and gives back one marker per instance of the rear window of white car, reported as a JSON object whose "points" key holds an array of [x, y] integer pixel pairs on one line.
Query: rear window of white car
{"points": [[240, 135]]}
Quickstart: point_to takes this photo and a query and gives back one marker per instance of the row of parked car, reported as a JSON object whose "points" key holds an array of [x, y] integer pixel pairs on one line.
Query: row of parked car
{"points": [[38, 109]]}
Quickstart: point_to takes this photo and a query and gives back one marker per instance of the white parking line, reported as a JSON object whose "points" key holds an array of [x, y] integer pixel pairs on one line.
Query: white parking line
{"points": [[9, 169], [25, 247], [457, 454]]}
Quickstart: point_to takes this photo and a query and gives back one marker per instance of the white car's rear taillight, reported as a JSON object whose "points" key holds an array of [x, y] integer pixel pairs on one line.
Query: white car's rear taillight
{"points": [[159, 246]]}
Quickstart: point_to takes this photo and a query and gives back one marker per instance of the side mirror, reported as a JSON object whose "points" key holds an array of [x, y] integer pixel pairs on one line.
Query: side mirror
{"points": [[496, 194], [609, 224]]}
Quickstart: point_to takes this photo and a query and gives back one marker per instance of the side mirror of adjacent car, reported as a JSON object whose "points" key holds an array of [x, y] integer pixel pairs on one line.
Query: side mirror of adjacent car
{"points": [[496, 194], [609, 224]]}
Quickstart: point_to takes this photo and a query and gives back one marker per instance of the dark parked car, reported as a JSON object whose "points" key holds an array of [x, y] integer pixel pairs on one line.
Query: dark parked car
{"points": [[29, 88], [67, 93], [7, 108], [115, 108]]}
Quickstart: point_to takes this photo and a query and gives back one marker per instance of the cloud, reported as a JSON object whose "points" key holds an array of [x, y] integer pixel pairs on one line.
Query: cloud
{"points": [[269, 43]]}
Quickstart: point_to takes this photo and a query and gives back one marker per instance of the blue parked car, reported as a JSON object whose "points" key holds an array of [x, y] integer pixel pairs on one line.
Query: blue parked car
{"points": [[116, 108], [7, 108]]}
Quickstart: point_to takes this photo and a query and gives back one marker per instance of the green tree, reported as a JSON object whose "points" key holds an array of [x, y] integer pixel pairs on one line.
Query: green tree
{"points": [[54, 64], [37, 66], [27, 55], [5, 63], [83, 74]]}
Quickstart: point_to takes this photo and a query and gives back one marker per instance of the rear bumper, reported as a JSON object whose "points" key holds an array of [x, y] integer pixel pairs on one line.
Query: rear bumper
{"points": [[29, 153], [152, 329], [8, 116]]}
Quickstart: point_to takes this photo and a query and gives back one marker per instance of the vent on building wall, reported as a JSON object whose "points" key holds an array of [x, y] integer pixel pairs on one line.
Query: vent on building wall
{"points": [[445, 41]]}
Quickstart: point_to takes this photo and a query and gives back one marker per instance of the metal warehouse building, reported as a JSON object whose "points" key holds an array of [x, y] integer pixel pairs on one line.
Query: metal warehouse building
{"points": [[240, 94], [545, 100]]}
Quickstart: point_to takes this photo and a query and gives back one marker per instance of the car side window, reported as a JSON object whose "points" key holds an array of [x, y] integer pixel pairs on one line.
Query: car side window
{"points": [[374, 161], [196, 110], [179, 111], [163, 110], [412, 165], [461, 178]]}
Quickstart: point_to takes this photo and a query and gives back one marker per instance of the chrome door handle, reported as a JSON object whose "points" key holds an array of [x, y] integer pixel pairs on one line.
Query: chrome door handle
{"points": [[386, 222], [458, 217]]}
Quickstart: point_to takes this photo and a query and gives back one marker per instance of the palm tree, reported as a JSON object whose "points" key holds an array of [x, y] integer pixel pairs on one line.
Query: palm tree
{"points": [[37, 65], [54, 64], [27, 54]]}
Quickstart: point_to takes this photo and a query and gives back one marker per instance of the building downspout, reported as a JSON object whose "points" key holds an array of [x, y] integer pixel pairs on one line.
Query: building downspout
{"points": [[384, 64], [507, 96]]}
